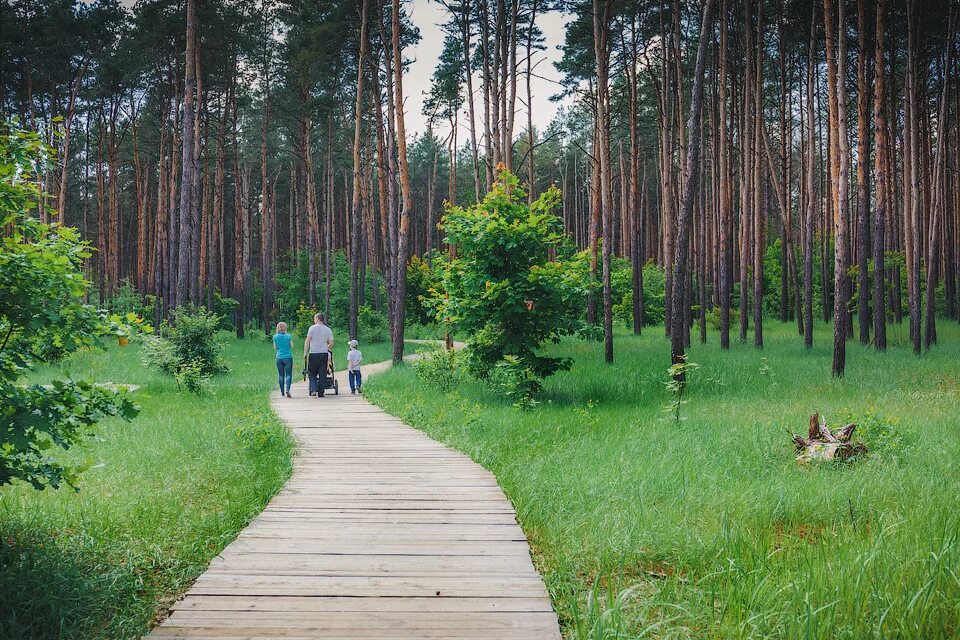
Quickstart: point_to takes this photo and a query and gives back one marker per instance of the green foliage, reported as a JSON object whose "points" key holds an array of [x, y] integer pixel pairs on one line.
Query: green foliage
{"points": [[43, 316], [886, 437], [189, 349], [190, 376], [654, 295], [258, 430], [292, 281], [303, 320], [423, 283], [128, 300], [516, 381], [225, 308], [372, 325], [503, 290], [677, 381], [772, 274], [440, 369]]}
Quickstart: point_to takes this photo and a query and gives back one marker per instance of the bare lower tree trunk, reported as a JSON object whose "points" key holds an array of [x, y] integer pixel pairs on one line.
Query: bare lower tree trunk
{"points": [[690, 186], [187, 195], [406, 198], [836, 70], [759, 203], [726, 198], [863, 175], [601, 39], [880, 181], [811, 209], [357, 215]]}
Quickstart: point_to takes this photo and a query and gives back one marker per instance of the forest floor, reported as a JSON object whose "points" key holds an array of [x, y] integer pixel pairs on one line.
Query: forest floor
{"points": [[644, 526], [165, 493]]}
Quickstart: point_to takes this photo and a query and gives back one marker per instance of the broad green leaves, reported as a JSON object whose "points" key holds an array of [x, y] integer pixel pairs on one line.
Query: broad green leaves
{"points": [[505, 289], [43, 317]]}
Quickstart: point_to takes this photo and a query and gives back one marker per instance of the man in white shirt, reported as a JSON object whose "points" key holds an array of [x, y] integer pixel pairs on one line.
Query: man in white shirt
{"points": [[316, 351]]}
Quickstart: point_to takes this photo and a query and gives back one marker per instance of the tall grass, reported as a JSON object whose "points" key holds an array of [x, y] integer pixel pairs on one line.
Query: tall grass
{"points": [[706, 527]]}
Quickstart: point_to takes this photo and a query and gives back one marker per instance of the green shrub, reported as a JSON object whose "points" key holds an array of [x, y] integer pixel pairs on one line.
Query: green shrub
{"points": [[372, 325], [423, 282], [516, 381], [128, 300], [193, 333], [654, 298], [440, 369], [188, 350], [226, 308], [503, 290], [190, 376]]}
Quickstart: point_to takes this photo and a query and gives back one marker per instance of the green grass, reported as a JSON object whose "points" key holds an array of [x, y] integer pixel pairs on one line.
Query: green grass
{"points": [[165, 494], [707, 527]]}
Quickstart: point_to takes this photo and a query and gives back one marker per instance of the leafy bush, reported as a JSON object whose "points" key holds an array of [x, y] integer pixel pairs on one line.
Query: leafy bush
{"points": [[886, 437], [372, 325], [516, 381], [503, 290], [423, 282], [188, 350], [225, 308], [190, 376], [42, 312], [440, 369], [128, 300], [193, 333], [654, 297]]}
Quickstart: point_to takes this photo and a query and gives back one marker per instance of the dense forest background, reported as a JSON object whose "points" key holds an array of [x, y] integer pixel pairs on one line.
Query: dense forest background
{"points": [[763, 158]]}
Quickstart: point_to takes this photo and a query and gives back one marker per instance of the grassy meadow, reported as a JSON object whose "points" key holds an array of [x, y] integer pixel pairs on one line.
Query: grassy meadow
{"points": [[645, 526], [165, 493]]}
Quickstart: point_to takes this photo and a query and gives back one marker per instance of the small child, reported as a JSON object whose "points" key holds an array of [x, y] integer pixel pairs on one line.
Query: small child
{"points": [[353, 368]]}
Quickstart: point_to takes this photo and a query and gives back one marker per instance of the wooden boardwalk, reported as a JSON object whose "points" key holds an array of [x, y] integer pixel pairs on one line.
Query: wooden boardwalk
{"points": [[380, 532]]}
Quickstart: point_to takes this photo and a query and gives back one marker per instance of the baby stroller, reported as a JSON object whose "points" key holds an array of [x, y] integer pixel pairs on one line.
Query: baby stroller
{"points": [[329, 380]]}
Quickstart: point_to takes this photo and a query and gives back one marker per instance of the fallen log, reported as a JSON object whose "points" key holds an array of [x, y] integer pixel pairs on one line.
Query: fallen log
{"points": [[823, 444]]}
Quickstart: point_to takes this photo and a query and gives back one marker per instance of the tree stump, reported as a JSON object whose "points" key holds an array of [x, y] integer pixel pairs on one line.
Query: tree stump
{"points": [[822, 444]]}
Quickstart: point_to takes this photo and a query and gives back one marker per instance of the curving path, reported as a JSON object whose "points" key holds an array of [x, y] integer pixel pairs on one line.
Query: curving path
{"points": [[380, 532]]}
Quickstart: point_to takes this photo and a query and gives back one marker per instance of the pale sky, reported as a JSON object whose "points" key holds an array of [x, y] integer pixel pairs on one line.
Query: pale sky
{"points": [[427, 15]]}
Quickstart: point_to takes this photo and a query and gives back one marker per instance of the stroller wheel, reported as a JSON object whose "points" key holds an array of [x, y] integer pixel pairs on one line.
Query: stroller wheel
{"points": [[336, 387]]}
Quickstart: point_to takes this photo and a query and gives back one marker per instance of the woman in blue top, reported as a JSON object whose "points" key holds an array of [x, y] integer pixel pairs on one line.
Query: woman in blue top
{"points": [[283, 348]]}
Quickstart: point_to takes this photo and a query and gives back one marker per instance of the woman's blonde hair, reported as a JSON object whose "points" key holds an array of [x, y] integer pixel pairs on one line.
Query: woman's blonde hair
{"points": [[281, 327]]}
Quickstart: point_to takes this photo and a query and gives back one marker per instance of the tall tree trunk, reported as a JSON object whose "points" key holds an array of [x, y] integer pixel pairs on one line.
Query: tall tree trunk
{"points": [[880, 182], [406, 198], [187, 195], [601, 39], [690, 186], [836, 79], [911, 173], [357, 214], [811, 185], [726, 197], [759, 202], [863, 177]]}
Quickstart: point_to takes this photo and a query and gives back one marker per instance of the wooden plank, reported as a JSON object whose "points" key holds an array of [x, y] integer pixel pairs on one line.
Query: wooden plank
{"points": [[322, 604]]}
